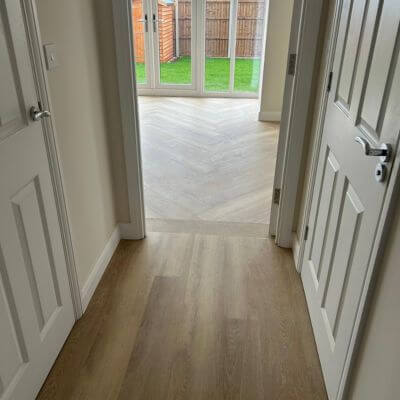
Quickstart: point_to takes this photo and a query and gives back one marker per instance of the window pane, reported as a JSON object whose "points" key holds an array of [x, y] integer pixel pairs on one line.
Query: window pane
{"points": [[249, 39], [217, 65], [174, 32]]}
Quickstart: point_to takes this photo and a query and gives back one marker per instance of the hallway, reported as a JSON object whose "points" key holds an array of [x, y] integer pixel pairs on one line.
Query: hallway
{"points": [[192, 316], [207, 159]]}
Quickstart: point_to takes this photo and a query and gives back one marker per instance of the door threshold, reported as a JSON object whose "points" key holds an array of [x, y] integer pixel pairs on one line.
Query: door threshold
{"points": [[223, 228]]}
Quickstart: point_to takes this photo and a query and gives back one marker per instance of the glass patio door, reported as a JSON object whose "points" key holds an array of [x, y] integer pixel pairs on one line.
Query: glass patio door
{"points": [[173, 43], [233, 43], [164, 37], [204, 48]]}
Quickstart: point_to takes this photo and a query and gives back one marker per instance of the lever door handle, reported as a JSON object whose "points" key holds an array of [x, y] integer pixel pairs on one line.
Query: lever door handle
{"points": [[155, 20], [36, 115], [146, 23], [384, 151]]}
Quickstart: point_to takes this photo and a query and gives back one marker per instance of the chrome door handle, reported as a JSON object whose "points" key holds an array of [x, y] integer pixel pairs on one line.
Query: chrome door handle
{"points": [[36, 115], [384, 151]]}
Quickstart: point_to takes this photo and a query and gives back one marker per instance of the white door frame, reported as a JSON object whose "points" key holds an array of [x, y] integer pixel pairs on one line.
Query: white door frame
{"points": [[128, 93], [297, 101], [43, 93]]}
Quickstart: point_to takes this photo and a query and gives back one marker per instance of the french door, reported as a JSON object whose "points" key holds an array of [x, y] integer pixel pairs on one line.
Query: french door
{"points": [[164, 39], [199, 48]]}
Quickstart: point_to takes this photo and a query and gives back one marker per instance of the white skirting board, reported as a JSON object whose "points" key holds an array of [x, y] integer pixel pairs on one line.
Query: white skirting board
{"points": [[296, 250], [122, 231], [128, 231], [272, 116], [99, 268]]}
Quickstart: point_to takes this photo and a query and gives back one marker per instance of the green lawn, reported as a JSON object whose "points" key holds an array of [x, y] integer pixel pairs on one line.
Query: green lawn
{"points": [[247, 72]]}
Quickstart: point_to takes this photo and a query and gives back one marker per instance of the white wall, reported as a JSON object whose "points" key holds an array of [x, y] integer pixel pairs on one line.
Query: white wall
{"points": [[276, 50], [85, 102]]}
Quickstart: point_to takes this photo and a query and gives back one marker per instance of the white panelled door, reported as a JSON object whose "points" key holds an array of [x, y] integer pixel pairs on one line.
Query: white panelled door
{"points": [[364, 102], [36, 312]]}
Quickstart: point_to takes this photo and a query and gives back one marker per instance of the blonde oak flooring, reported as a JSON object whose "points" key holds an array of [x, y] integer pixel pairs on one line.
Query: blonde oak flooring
{"points": [[207, 159], [192, 316]]}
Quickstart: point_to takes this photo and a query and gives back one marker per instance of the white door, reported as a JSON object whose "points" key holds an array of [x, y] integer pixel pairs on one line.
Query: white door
{"points": [[364, 102], [36, 311]]}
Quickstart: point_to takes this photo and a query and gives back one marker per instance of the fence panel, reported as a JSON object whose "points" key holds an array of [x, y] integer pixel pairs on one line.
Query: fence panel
{"points": [[138, 31], [249, 32]]}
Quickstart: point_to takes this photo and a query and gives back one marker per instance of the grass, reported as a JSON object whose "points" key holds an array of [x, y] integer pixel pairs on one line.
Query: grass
{"points": [[247, 72]]}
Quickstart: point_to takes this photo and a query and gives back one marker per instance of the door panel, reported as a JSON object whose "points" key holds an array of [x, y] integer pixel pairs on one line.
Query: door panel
{"points": [[36, 310], [324, 211], [347, 200], [33, 233], [378, 81], [12, 113], [13, 347]]}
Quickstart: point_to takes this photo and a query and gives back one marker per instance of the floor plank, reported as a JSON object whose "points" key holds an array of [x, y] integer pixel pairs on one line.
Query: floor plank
{"points": [[207, 159], [192, 316]]}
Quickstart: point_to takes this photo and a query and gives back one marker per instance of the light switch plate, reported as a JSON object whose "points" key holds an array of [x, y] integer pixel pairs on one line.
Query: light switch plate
{"points": [[50, 54]]}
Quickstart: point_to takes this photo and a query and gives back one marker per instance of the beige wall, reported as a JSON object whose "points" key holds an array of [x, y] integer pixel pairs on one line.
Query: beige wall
{"points": [[276, 50], [375, 374], [85, 102]]}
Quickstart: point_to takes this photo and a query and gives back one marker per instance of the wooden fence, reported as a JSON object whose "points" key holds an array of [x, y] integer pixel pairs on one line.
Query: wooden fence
{"points": [[166, 31], [138, 30], [249, 31]]}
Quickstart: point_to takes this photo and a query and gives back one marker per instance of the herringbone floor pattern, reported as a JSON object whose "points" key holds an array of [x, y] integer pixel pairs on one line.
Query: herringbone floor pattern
{"points": [[207, 159]]}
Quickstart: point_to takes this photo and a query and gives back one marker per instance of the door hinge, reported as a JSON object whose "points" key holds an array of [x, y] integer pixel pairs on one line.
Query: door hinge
{"points": [[277, 196], [306, 233], [292, 63], [328, 88]]}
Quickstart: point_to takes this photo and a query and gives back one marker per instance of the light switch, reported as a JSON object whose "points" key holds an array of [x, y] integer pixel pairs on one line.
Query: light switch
{"points": [[50, 54]]}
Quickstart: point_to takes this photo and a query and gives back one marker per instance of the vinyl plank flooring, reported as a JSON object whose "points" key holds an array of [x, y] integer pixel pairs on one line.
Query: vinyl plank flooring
{"points": [[192, 316]]}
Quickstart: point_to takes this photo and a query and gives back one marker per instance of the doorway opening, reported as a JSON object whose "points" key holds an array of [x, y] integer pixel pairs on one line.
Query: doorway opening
{"points": [[206, 155]]}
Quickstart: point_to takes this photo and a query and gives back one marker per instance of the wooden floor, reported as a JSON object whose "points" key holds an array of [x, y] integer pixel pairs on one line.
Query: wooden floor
{"points": [[207, 159], [192, 316]]}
